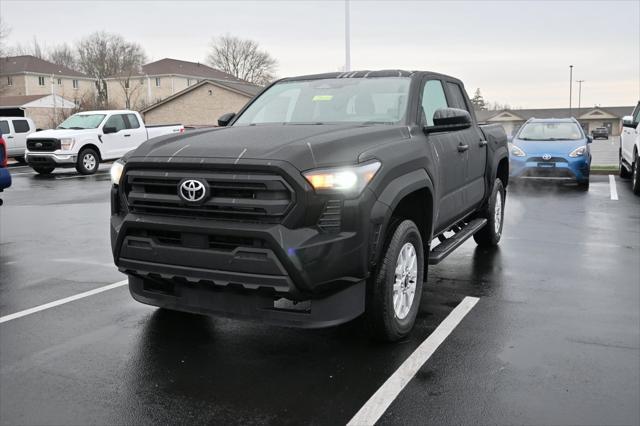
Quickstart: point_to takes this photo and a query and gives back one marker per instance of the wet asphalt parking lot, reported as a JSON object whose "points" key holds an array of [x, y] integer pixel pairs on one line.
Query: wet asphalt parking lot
{"points": [[553, 339]]}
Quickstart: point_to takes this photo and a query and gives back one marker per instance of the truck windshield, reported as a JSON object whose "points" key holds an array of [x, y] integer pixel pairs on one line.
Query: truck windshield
{"points": [[550, 132], [82, 121], [379, 100]]}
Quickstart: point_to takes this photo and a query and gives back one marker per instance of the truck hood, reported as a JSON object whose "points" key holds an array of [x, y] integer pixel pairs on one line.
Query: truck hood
{"points": [[303, 146], [61, 133], [556, 148]]}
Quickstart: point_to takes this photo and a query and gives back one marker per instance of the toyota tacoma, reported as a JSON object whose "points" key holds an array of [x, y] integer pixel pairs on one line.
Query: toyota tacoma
{"points": [[325, 198]]}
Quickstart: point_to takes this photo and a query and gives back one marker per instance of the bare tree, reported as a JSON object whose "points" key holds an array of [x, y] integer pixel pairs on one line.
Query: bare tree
{"points": [[131, 65], [243, 59], [34, 49], [63, 55], [103, 55], [4, 33]]}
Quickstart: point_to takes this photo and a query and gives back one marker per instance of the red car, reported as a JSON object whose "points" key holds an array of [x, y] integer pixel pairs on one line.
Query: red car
{"points": [[5, 177]]}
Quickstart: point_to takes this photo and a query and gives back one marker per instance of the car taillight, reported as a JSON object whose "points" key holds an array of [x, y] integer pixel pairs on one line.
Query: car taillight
{"points": [[182, 130], [3, 153]]}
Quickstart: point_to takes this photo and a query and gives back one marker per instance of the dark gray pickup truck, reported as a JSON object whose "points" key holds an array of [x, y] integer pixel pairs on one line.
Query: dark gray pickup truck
{"points": [[318, 202]]}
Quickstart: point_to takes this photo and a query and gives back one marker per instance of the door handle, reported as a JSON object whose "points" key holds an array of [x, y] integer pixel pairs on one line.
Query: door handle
{"points": [[462, 148], [127, 135], [9, 137], [483, 143]]}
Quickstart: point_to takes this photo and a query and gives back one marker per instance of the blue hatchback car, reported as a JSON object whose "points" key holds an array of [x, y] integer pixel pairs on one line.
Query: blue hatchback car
{"points": [[551, 149]]}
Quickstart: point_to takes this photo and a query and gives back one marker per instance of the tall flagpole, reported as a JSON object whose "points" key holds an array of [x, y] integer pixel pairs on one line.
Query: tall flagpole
{"points": [[347, 37]]}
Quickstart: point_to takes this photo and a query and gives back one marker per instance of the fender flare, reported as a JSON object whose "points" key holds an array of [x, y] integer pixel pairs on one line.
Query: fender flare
{"points": [[91, 144], [389, 199]]}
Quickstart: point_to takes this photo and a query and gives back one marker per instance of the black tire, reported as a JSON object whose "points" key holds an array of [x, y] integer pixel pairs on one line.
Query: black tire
{"points": [[583, 185], [635, 178], [20, 159], [489, 235], [44, 170], [88, 161], [384, 321], [624, 173]]}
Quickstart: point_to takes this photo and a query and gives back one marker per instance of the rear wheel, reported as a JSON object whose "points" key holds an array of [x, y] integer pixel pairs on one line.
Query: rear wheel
{"points": [[396, 288], [88, 161], [44, 170], [490, 234], [624, 173]]}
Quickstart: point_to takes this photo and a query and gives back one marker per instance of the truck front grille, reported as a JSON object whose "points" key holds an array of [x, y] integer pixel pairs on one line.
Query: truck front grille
{"points": [[43, 145], [234, 196]]}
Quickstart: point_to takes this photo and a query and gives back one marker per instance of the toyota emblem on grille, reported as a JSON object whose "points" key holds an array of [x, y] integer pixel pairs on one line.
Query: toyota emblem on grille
{"points": [[192, 190], [546, 157]]}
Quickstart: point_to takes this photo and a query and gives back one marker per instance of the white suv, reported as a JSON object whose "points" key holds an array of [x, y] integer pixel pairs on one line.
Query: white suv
{"points": [[630, 149], [15, 130]]}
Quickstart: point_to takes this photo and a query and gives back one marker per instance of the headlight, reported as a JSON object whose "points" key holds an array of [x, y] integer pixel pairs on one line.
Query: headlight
{"points": [[578, 152], [517, 152], [346, 180], [116, 172], [67, 143]]}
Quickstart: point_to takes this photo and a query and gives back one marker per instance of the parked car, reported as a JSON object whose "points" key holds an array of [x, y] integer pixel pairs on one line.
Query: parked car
{"points": [[630, 149], [87, 138], [551, 149], [600, 132], [15, 131], [5, 176], [317, 202]]}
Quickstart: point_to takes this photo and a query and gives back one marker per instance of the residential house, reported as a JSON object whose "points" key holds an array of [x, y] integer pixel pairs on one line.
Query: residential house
{"points": [[201, 103], [589, 118], [159, 80], [46, 111]]}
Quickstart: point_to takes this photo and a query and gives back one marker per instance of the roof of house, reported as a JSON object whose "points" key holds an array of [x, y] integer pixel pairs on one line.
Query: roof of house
{"points": [[245, 89], [45, 101], [29, 63], [525, 114], [193, 69]]}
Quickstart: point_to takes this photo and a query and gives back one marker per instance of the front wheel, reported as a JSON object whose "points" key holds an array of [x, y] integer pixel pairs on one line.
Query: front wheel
{"points": [[396, 288], [88, 162], [635, 179], [490, 234]]}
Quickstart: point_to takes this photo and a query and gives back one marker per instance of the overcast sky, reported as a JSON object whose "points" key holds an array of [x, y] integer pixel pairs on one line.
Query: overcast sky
{"points": [[516, 52]]}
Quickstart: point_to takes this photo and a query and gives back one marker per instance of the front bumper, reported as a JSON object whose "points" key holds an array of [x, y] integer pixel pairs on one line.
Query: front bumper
{"points": [[566, 169], [50, 159], [291, 273]]}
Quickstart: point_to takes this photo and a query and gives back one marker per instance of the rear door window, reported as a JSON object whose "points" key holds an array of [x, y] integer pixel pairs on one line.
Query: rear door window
{"points": [[133, 121], [4, 127], [21, 126], [433, 98], [116, 121], [457, 98]]}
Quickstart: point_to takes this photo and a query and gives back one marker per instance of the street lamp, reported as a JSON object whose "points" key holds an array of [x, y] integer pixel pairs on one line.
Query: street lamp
{"points": [[570, 87], [579, 92]]}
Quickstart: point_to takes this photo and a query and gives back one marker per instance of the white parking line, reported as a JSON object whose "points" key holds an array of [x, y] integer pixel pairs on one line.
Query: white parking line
{"points": [[61, 301], [375, 407], [612, 186]]}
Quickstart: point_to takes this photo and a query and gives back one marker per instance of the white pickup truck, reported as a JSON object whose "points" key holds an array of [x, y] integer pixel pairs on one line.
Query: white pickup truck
{"points": [[87, 138], [630, 149]]}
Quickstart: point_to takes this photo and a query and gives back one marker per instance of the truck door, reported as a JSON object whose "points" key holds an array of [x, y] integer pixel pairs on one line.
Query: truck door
{"points": [[477, 154], [628, 136], [452, 167], [135, 133], [113, 144], [5, 131]]}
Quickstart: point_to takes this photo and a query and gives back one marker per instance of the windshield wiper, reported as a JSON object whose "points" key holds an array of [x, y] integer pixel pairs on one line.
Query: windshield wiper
{"points": [[376, 122]]}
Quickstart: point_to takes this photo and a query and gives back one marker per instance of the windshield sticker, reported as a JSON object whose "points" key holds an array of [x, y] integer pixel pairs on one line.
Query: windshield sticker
{"points": [[322, 98]]}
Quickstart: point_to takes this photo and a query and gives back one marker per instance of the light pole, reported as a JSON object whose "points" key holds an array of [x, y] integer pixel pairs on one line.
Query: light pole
{"points": [[570, 87], [347, 37], [579, 92]]}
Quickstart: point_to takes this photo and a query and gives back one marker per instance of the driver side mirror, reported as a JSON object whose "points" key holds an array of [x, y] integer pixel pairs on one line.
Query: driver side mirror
{"points": [[225, 119], [449, 119], [627, 121], [108, 129]]}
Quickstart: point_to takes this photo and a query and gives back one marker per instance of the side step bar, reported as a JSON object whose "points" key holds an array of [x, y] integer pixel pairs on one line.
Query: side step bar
{"points": [[446, 247]]}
